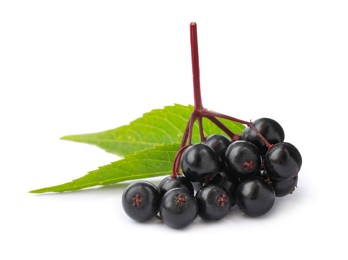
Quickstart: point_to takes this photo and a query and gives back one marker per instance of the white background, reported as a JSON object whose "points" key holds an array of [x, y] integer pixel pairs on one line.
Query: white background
{"points": [[70, 67]]}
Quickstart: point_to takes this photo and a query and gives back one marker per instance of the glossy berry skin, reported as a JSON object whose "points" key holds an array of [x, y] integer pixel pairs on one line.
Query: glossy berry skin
{"points": [[219, 144], [213, 202], [140, 200], [178, 208], [255, 197], [283, 161], [200, 163], [284, 187], [169, 183], [243, 159], [269, 128], [228, 183]]}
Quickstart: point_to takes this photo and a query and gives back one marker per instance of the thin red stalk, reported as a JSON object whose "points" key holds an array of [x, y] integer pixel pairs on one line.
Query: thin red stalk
{"points": [[174, 172], [268, 144], [221, 126], [212, 113], [195, 67], [192, 120], [185, 135], [249, 124], [201, 132], [176, 164], [178, 160]]}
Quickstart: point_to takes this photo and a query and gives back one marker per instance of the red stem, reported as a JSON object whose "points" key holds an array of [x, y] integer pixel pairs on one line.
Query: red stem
{"points": [[222, 126], [185, 135], [176, 164], [201, 131], [192, 120], [268, 144], [195, 67], [249, 124], [215, 114]]}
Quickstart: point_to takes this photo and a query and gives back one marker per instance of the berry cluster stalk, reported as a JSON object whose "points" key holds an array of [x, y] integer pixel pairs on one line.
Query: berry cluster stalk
{"points": [[199, 111]]}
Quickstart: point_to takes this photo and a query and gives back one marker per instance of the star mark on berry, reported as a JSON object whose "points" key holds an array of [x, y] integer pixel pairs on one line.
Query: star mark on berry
{"points": [[137, 200], [248, 165], [222, 199], [180, 199]]}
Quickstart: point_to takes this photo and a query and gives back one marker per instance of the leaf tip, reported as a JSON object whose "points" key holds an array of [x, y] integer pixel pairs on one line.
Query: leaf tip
{"points": [[36, 191], [67, 137]]}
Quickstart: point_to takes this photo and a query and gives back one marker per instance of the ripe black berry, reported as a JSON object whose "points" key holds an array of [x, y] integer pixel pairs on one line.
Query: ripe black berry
{"points": [[219, 144], [284, 187], [213, 202], [140, 200], [178, 208], [283, 161], [200, 163], [243, 159], [255, 197], [269, 128], [228, 183], [169, 183]]}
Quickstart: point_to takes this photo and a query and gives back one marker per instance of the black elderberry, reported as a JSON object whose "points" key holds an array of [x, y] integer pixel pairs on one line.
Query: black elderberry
{"points": [[213, 202], [255, 197], [243, 159], [200, 163], [140, 200], [283, 161], [178, 208]]}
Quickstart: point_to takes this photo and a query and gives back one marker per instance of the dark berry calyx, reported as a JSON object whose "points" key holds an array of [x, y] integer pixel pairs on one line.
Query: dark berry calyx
{"points": [[180, 199], [248, 165], [137, 200], [222, 200]]}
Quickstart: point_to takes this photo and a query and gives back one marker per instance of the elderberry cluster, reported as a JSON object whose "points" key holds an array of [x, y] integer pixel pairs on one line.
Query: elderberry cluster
{"points": [[245, 171]]}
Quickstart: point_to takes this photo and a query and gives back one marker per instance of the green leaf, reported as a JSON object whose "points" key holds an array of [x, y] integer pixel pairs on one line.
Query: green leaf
{"points": [[147, 163], [158, 127]]}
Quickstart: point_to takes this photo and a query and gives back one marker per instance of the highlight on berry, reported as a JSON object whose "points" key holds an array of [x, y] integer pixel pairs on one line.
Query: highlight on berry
{"points": [[247, 171]]}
